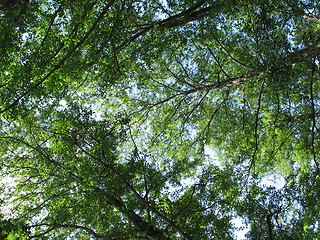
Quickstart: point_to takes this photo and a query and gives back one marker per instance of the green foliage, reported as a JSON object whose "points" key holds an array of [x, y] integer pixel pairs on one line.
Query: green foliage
{"points": [[108, 110], [13, 229]]}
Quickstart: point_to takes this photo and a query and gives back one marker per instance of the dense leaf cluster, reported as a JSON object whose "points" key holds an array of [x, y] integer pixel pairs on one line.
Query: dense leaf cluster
{"points": [[127, 119]]}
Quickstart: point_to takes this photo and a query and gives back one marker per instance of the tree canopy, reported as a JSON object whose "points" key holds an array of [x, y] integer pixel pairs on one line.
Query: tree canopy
{"points": [[159, 119]]}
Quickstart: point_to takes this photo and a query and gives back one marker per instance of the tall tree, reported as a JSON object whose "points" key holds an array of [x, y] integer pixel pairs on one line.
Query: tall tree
{"points": [[108, 109]]}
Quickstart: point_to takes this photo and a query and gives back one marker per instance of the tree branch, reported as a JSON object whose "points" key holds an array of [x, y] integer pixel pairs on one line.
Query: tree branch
{"points": [[146, 204], [184, 17], [256, 136], [292, 58], [63, 60], [227, 83]]}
